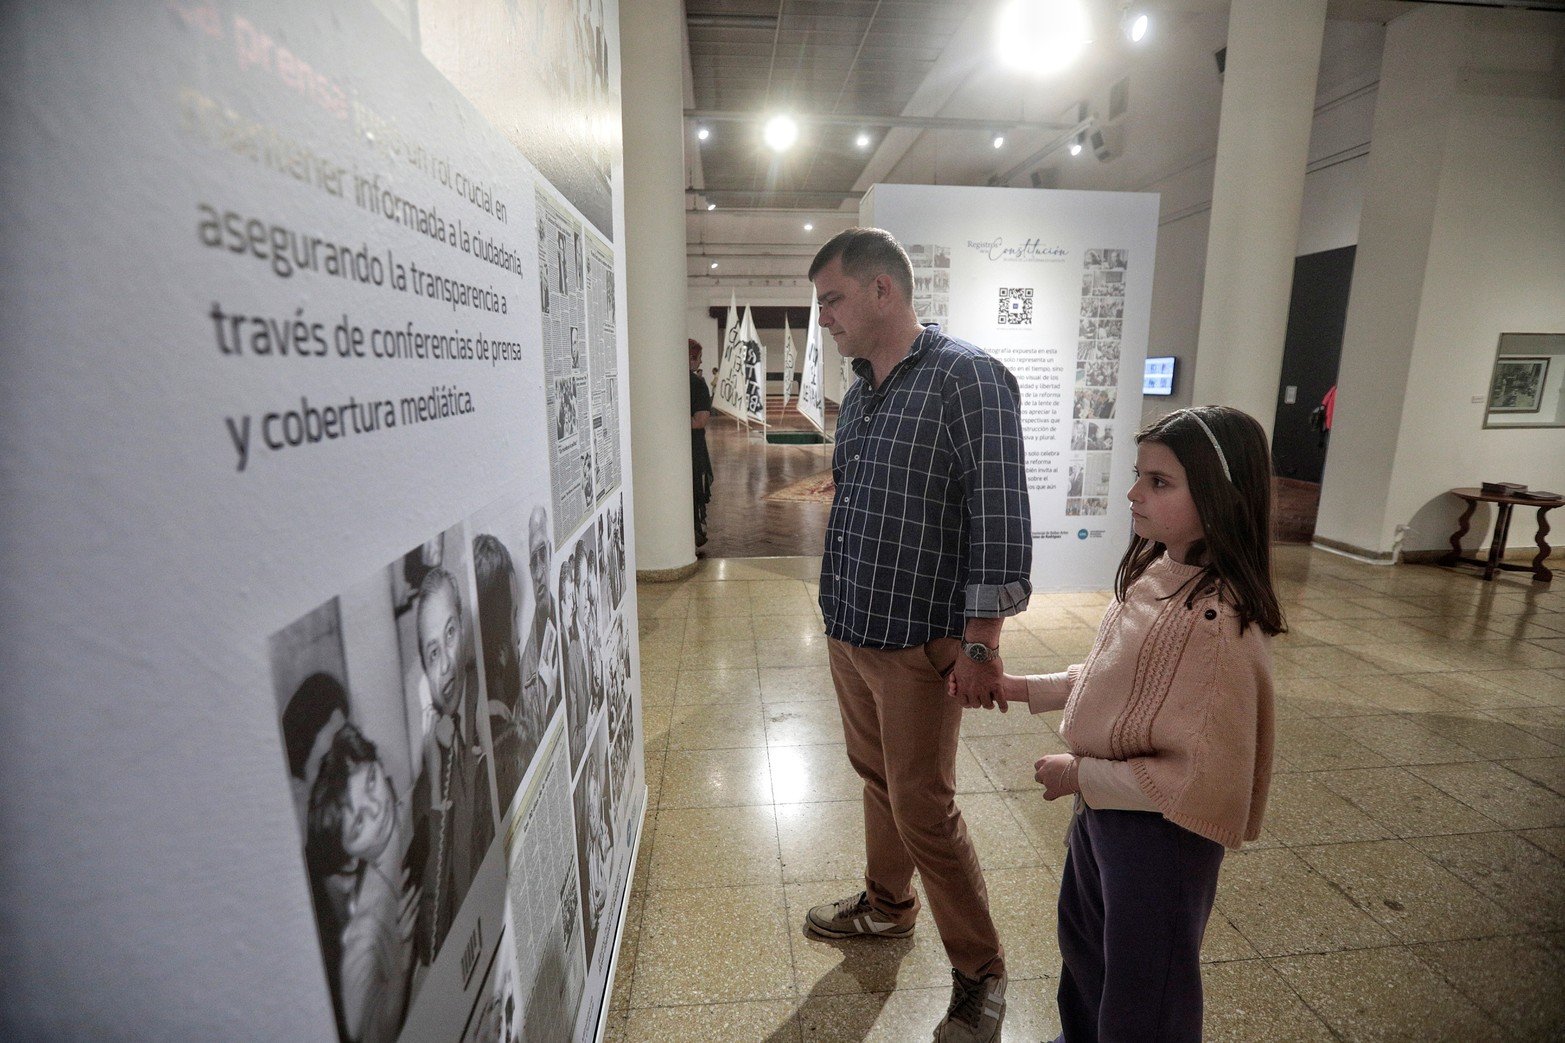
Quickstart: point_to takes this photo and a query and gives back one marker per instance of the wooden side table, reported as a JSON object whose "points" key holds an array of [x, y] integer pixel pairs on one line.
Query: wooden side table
{"points": [[1502, 528]]}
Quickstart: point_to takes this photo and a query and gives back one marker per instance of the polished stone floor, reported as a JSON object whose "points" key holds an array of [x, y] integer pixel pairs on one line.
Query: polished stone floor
{"points": [[1410, 883]]}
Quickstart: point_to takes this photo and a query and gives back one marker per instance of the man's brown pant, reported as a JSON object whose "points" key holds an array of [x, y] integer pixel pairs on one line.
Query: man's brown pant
{"points": [[901, 730]]}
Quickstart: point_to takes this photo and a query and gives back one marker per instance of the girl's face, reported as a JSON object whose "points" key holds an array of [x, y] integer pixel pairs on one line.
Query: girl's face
{"points": [[1161, 509]]}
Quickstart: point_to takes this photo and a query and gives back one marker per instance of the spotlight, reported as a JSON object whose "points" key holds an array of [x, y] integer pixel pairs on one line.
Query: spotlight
{"points": [[1134, 23], [1075, 148], [712, 265], [781, 132], [1138, 28], [809, 227], [999, 141], [862, 141], [702, 133], [711, 206], [1042, 36]]}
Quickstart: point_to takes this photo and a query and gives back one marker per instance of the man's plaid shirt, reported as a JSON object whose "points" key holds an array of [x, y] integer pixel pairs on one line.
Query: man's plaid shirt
{"points": [[930, 524]]}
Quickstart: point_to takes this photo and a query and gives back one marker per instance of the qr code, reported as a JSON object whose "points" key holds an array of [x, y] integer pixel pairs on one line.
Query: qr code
{"points": [[1015, 306]]}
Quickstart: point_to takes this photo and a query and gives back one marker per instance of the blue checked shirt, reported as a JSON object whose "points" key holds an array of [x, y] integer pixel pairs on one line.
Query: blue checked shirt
{"points": [[930, 523]]}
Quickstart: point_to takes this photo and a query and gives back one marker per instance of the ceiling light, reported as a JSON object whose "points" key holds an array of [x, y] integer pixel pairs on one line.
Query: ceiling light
{"points": [[702, 133], [711, 206], [781, 132], [809, 227], [1138, 28], [712, 265], [1042, 36], [1075, 148], [999, 141], [862, 141]]}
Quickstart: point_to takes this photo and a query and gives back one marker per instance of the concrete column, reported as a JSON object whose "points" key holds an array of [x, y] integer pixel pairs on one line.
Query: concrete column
{"points": [[1262, 148], [1419, 82], [654, 232]]}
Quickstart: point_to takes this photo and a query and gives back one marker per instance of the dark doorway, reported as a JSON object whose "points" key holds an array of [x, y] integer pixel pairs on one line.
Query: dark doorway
{"points": [[1317, 314]]}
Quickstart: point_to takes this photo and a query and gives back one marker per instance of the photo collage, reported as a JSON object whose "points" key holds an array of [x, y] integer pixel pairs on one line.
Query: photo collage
{"points": [[931, 281], [1096, 391], [414, 707]]}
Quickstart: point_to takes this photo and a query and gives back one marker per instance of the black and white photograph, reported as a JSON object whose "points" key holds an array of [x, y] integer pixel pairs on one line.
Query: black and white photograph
{"points": [[1094, 403], [578, 604], [378, 693], [1518, 384], [594, 838], [518, 634], [1086, 506], [452, 799], [611, 555], [497, 1015], [1105, 350], [1092, 435]]}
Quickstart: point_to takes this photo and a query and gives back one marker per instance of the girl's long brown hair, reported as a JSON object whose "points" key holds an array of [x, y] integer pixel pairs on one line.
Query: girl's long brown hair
{"points": [[1236, 515]]}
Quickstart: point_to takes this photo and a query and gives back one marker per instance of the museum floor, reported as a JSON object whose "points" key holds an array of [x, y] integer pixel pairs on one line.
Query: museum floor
{"points": [[1410, 883]]}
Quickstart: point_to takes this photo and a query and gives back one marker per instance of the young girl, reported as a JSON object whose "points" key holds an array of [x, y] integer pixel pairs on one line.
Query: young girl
{"points": [[1169, 723]]}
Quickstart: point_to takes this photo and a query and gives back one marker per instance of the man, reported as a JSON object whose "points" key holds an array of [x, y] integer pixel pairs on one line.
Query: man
{"points": [[452, 796], [540, 665], [928, 547], [700, 459]]}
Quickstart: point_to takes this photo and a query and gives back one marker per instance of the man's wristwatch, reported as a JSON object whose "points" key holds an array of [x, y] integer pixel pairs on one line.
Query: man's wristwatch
{"points": [[979, 652]]}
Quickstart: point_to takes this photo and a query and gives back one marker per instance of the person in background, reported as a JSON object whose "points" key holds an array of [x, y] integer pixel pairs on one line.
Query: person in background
{"points": [[700, 459]]}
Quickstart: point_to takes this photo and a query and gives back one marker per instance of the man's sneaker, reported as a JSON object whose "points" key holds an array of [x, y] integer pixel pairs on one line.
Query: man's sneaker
{"points": [[977, 1010], [852, 917]]}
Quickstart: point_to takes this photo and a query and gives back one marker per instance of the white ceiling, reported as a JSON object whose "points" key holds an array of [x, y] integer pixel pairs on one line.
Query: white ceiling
{"points": [[935, 59]]}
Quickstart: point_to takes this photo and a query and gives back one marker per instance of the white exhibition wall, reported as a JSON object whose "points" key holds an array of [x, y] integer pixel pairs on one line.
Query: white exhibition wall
{"points": [[1057, 286], [323, 698], [1462, 239]]}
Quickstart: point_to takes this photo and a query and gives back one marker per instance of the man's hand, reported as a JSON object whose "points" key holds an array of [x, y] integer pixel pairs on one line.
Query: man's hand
{"points": [[1057, 773], [978, 685]]}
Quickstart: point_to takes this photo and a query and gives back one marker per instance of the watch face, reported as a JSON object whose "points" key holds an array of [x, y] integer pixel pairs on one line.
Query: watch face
{"points": [[978, 653]]}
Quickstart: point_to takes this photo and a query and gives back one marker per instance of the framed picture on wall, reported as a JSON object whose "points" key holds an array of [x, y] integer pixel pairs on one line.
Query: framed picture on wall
{"points": [[1518, 384]]}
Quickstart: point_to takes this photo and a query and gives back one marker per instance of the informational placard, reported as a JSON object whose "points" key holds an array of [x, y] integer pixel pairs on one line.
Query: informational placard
{"points": [[316, 494], [812, 398], [1058, 286]]}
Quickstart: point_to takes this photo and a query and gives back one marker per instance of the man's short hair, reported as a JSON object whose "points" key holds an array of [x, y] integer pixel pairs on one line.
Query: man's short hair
{"points": [[434, 579], [866, 253]]}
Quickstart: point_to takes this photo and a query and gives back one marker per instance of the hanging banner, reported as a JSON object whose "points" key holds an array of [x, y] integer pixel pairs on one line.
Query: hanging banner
{"points": [[728, 395], [788, 362], [754, 370], [812, 399], [1057, 285]]}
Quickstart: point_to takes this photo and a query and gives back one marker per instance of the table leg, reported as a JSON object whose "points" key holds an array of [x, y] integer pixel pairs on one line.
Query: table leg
{"points": [[1541, 572], [1502, 525], [1461, 530]]}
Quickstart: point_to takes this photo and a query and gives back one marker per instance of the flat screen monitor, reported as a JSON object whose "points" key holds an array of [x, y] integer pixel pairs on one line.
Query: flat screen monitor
{"points": [[1158, 377]]}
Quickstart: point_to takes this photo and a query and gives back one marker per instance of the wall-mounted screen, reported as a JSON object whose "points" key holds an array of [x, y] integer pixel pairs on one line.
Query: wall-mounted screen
{"points": [[1158, 377]]}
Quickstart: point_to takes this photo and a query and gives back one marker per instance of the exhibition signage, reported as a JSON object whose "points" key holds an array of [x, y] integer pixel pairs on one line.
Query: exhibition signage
{"points": [[729, 394], [340, 432], [788, 361], [1058, 286], [812, 400]]}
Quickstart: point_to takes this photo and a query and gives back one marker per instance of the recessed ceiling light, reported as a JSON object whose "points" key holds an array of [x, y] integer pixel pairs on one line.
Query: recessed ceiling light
{"points": [[1042, 36], [711, 206], [702, 133], [999, 141], [1136, 26], [809, 226], [1076, 147], [781, 133], [712, 265], [862, 141]]}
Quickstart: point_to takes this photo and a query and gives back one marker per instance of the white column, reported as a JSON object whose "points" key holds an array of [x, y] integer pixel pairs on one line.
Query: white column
{"points": [[654, 138], [1262, 148]]}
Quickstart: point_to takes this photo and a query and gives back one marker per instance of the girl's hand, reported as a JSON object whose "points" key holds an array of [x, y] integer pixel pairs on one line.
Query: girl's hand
{"points": [[1057, 773]]}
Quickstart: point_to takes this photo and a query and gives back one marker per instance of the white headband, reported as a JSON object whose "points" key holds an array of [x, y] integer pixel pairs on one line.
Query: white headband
{"points": [[1221, 458]]}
